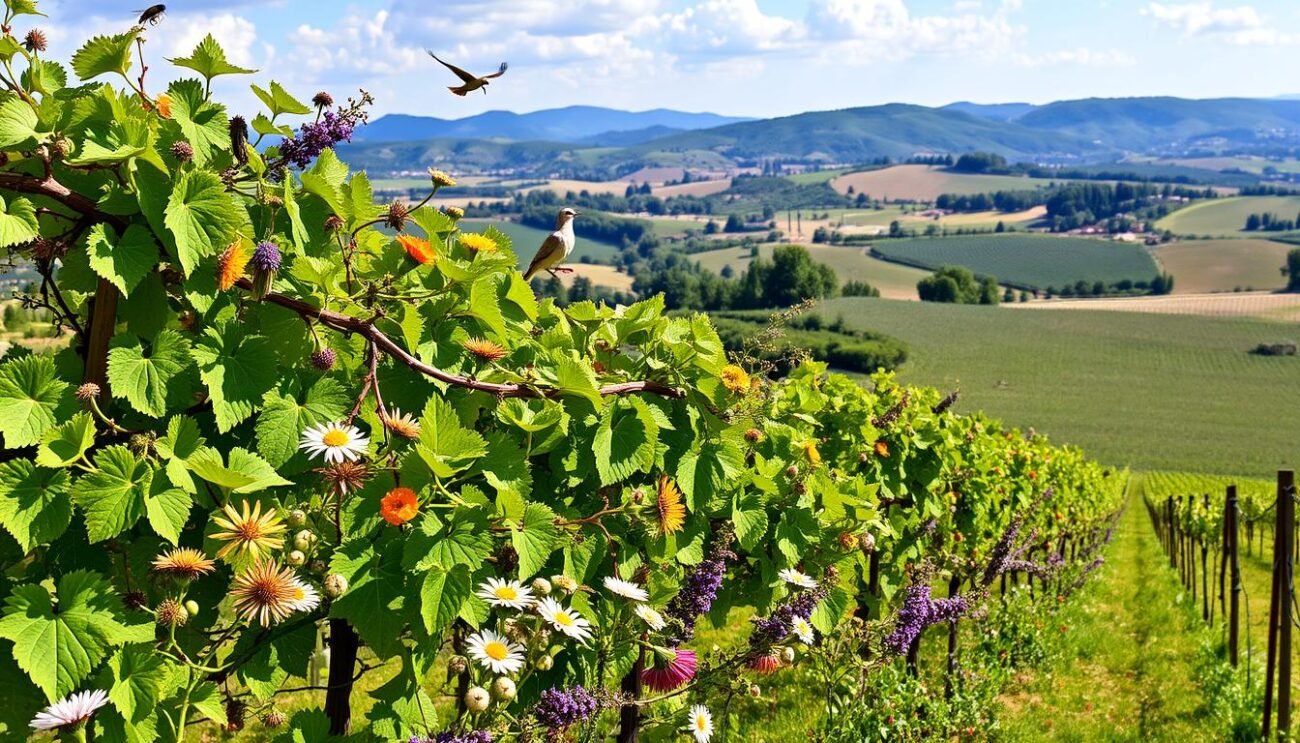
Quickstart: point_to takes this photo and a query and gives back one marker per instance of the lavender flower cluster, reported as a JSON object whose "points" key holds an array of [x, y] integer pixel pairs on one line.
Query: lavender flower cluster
{"points": [[560, 708], [473, 736], [700, 589], [773, 629], [314, 138], [266, 257], [919, 611]]}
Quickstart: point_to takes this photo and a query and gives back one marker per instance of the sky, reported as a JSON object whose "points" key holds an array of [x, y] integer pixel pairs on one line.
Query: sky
{"points": [[756, 58]]}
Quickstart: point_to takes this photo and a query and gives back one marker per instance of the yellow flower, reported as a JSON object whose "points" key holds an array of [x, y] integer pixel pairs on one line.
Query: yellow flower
{"points": [[734, 378], [164, 103], [810, 451], [184, 562], [672, 514], [230, 266], [251, 531], [441, 178], [478, 243]]}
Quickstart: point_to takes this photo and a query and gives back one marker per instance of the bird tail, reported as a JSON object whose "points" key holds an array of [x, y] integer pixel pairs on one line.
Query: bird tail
{"points": [[459, 91], [532, 270]]}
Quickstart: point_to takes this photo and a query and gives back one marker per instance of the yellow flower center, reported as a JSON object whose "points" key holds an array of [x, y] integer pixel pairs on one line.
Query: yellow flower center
{"points": [[335, 438], [507, 593], [563, 617], [496, 650], [701, 723], [299, 594]]}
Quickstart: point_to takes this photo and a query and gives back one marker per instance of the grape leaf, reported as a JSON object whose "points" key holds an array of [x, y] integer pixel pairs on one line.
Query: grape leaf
{"points": [[750, 519], [18, 125], [181, 441], [123, 262], [134, 678], [325, 179], [144, 380], [534, 539], [104, 54], [34, 503], [113, 496], [30, 392], [201, 216], [167, 510], [209, 60], [445, 445], [625, 442], [573, 377], [237, 369], [246, 473], [203, 122], [279, 101], [375, 601], [705, 470], [64, 444], [442, 593], [17, 221]]}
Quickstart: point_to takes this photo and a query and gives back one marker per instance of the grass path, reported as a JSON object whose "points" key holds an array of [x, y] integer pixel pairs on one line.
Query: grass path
{"points": [[1126, 669]]}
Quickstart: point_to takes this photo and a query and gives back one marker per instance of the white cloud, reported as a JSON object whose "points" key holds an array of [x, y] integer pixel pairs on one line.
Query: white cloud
{"points": [[1203, 17], [1082, 57], [236, 34]]}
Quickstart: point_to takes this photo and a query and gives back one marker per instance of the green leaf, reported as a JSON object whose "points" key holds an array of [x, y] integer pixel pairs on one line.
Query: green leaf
{"points": [[203, 122], [206, 698], [209, 60], [22, 7], [446, 445], [442, 594], [506, 468], [17, 221], [59, 647], [18, 125], [135, 676], [265, 127], [486, 306], [201, 216], [246, 473], [167, 511], [45, 77], [237, 369], [34, 503], [534, 539], [284, 417], [625, 442], [143, 380], [104, 54], [574, 377], [123, 262], [750, 519], [63, 445], [375, 600], [112, 497], [279, 101], [325, 179], [705, 471], [30, 391], [464, 540], [181, 441]]}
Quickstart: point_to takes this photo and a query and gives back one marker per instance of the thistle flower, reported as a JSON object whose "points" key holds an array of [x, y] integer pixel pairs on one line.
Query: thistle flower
{"points": [[230, 265], [333, 223], [34, 41], [701, 723], [274, 719], [69, 711], [344, 477], [402, 424], [87, 392], [266, 262], [266, 592], [334, 441], [510, 594], [478, 243], [418, 249], [484, 350], [734, 378], [701, 587], [249, 532], [183, 562], [557, 709], [672, 513], [322, 100], [441, 179], [170, 613], [455, 212], [672, 669], [181, 150], [564, 620], [626, 589], [324, 359], [239, 139], [397, 214], [399, 506], [495, 653], [769, 662]]}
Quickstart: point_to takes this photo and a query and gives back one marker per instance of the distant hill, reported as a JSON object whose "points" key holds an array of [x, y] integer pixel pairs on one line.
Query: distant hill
{"points": [[994, 111], [629, 138], [571, 124], [1139, 124]]}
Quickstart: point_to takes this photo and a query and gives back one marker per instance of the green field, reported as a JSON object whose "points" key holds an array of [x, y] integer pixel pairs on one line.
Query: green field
{"points": [[1152, 391], [850, 264], [1227, 217], [1223, 265], [926, 183], [817, 176], [1027, 260], [527, 239]]}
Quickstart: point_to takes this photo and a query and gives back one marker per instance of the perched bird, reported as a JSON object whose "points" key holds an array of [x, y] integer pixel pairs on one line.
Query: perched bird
{"points": [[472, 83], [151, 15], [556, 247]]}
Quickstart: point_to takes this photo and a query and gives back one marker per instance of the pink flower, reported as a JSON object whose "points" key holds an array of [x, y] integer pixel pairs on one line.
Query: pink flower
{"points": [[672, 669], [770, 663]]}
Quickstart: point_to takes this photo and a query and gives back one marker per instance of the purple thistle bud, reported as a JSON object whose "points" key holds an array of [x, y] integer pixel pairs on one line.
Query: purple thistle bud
{"points": [[324, 359], [557, 709], [266, 257]]}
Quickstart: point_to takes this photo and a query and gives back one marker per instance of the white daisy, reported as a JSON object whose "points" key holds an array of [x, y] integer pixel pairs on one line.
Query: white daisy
{"points": [[652, 618], [701, 723], [305, 596], [565, 620], [495, 653], [336, 441], [71, 710], [626, 589], [796, 578], [803, 630], [508, 593]]}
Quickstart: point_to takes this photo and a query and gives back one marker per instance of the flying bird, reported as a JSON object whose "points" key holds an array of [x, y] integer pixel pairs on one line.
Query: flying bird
{"points": [[151, 15], [472, 83], [557, 246]]}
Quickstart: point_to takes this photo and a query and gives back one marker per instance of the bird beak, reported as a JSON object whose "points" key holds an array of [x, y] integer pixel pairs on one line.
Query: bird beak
{"points": [[577, 214]]}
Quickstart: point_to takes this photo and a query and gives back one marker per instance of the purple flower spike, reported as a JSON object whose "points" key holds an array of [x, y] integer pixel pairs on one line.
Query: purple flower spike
{"points": [[919, 611], [559, 708], [266, 257]]}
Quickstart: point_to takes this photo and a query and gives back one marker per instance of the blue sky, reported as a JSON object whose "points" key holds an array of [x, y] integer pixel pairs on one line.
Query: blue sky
{"points": [[743, 57]]}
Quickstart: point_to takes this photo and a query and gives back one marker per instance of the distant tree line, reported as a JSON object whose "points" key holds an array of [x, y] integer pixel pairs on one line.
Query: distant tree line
{"points": [[982, 162], [1002, 201], [1161, 284], [958, 285], [790, 277], [1267, 190], [1269, 222], [829, 341], [1293, 270]]}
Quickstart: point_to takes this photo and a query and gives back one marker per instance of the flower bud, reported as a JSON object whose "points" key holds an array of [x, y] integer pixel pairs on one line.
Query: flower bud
{"points": [[274, 719], [564, 583], [192, 607], [457, 665], [477, 699], [503, 688], [318, 567], [544, 663], [303, 540], [335, 585], [848, 540], [753, 435], [182, 150], [541, 586], [867, 542], [170, 613], [792, 471], [297, 517], [296, 558], [324, 359], [88, 391], [755, 691], [787, 654], [455, 212]]}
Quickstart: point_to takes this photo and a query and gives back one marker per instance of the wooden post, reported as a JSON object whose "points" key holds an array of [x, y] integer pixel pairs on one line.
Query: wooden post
{"points": [[1274, 609], [1169, 521], [1286, 538], [1205, 571], [949, 683], [1234, 566], [343, 661], [629, 716]]}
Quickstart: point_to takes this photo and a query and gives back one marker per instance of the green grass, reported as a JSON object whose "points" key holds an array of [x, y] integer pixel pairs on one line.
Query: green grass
{"points": [[1223, 265], [849, 263], [527, 239], [1126, 661], [1027, 260], [1166, 392], [1227, 217], [818, 176]]}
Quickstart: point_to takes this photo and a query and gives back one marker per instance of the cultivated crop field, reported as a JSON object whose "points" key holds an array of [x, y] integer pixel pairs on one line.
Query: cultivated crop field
{"points": [[850, 263], [1227, 217], [1151, 391], [1027, 260], [1279, 307], [926, 183], [1201, 266]]}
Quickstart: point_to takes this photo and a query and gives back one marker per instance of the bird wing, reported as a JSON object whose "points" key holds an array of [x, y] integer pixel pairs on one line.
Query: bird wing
{"points": [[551, 253], [463, 75], [500, 72]]}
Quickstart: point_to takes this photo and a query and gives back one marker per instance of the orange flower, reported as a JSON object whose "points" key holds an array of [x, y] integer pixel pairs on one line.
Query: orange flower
{"points": [[399, 506], [882, 448], [485, 349], [672, 514], [734, 378], [230, 266], [419, 249], [164, 103]]}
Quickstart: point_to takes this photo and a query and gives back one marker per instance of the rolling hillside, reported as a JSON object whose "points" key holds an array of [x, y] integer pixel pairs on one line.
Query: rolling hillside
{"points": [[569, 124]]}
